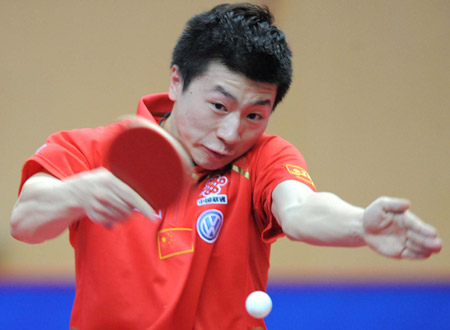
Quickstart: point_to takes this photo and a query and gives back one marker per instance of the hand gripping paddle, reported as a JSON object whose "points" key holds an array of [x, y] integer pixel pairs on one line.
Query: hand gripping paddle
{"points": [[150, 161]]}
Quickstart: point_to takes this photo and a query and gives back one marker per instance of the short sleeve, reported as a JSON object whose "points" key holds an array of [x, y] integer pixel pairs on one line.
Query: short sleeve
{"points": [[67, 153], [274, 160]]}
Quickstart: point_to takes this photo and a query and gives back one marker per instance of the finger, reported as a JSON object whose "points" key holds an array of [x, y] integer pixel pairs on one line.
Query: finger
{"points": [[114, 213], [113, 205], [416, 248], [410, 254], [136, 201], [132, 198], [106, 212], [394, 205], [418, 241], [99, 218], [413, 222], [139, 203]]}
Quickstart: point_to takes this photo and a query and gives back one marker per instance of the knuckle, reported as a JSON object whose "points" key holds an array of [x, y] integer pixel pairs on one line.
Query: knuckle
{"points": [[384, 199]]}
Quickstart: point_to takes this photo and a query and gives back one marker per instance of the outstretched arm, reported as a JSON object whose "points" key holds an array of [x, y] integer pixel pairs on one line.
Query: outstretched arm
{"points": [[47, 206], [324, 219]]}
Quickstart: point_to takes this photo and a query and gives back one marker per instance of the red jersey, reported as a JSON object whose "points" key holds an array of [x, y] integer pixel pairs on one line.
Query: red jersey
{"points": [[195, 267]]}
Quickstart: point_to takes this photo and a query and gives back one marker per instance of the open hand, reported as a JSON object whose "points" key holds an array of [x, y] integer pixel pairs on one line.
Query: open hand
{"points": [[394, 231]]}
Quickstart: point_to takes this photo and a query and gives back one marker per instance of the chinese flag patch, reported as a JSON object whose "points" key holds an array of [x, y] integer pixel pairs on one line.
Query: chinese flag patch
{"points": [[175, 241]]}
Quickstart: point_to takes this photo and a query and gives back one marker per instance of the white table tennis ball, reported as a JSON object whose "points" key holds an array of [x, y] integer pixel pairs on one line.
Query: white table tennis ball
{"points": [[258, 304]]}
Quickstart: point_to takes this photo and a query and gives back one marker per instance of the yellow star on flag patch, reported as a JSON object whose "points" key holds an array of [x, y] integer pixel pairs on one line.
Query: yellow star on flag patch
{"points": [[175, 241]]}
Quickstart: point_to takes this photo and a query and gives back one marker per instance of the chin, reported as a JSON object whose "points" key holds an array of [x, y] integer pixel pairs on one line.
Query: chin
{"points": [[211, 166]]}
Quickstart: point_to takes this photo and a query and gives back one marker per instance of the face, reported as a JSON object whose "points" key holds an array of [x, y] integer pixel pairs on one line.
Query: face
{"points": [[220, 116]]}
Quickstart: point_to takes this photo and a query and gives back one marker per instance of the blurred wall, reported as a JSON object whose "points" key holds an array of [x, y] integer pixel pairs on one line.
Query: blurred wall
{"points": [[369, 107]]}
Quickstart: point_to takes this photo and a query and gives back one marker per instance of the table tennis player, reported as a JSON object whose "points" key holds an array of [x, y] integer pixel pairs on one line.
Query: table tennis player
{"points": [[192, 265]]}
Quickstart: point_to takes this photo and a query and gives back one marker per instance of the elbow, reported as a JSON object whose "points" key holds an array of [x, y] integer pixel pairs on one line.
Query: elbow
{"points": [[292, 233], [14, 225], [298, 231], [300, 226], [291, 226], [24, 237], [18, 230], [291, 220]]}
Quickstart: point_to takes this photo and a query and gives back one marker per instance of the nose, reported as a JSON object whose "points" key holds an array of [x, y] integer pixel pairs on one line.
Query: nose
{"points": [[229, 129]]}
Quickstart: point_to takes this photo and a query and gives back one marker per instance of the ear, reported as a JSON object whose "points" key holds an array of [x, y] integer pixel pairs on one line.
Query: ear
{"points": [[176, 83]]}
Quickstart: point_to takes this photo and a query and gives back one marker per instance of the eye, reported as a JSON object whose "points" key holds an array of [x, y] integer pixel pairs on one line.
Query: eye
{"points": [[254, 116], [218, 107]]}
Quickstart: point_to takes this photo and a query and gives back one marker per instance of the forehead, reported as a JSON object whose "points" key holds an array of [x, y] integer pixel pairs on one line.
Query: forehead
{"points": [[218, 78]]}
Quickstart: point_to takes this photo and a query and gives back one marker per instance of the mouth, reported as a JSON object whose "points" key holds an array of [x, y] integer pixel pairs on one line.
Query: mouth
{"points": [[215, 154]]}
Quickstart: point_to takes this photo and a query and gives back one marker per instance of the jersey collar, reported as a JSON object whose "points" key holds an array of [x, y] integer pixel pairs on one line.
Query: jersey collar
{"points": [[154, 106]]}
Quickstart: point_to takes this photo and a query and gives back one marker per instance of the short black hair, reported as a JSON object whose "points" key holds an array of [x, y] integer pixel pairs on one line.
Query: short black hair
{"points": [[240, 36]]}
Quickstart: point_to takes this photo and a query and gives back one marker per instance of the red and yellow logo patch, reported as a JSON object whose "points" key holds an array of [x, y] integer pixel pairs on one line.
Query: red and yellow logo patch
{"points": [[175, 241], [300, 173]]}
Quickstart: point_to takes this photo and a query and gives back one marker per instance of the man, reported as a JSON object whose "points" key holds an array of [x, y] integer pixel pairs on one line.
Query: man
{"points": [[230, 68]]}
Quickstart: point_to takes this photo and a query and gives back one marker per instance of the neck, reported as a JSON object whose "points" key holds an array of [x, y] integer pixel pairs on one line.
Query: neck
{"points": [[162, 121], [168, 123]]}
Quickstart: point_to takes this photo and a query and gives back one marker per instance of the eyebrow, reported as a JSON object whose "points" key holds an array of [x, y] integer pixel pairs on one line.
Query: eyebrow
{"points": [[227, 94]]}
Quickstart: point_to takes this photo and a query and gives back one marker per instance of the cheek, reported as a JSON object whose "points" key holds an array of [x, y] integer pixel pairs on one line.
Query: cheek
{"points": [[252, 137], [193, 129]]}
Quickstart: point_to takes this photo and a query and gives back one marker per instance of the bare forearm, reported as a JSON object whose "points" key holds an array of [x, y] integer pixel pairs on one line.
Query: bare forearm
{"points": [[386, 225], [323, 219], [45, 208], [47, 205]]}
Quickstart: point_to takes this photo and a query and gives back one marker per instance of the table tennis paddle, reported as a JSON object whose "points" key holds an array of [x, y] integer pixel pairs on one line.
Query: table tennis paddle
{"points": [[150, 161]]}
